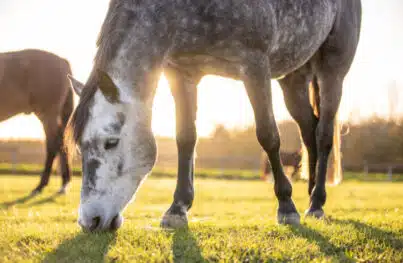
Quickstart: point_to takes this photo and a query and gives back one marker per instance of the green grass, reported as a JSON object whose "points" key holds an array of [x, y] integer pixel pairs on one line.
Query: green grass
{"points": [[231, 221], [34, 169], [227, 174]]}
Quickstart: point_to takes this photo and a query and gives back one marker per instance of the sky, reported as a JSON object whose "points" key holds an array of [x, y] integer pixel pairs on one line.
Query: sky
{"points": [[70, 28]]}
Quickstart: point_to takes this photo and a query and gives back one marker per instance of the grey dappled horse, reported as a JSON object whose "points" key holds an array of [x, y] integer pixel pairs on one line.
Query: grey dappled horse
{"points": [[302, 41], [35, 81]]}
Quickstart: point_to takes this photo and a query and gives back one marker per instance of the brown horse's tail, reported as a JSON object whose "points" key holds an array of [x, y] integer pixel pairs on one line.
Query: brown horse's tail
{"points": [[67, 108], [334, 171]]}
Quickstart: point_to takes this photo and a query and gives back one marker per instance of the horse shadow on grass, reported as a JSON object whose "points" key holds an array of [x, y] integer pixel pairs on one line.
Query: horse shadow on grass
{"points": [[321, 241], [185, 247], [85, 247], [387, 238], [375, 234], [27, 198], [20, 200], [50, 199]]}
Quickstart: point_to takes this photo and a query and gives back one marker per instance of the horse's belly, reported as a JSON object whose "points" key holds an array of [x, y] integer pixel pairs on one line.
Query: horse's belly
{"points": [[289, 60], [8, 110], [14, 100]]}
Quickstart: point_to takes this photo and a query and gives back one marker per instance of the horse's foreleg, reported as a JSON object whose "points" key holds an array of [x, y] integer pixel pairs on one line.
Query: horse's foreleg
{"points": [[185, 96], [295, 87], [257, 83], [330, 95]]}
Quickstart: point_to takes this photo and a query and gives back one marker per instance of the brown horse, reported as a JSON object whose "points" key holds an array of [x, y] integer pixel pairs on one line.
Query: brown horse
{"points": [[287, 158], [35, 81], [298, 160]]}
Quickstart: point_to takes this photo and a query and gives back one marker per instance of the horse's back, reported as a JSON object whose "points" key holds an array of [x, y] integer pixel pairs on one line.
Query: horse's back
{"points": [[289, 32], [32, 81]]}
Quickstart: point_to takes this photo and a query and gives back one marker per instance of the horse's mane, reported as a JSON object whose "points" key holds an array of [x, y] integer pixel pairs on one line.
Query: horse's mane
{"points": [[81, 114], [117, 21], [114, 28]]}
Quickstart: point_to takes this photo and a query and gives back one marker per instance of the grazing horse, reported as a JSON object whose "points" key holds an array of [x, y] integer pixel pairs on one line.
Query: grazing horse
{"points": [[299, 41], [35, 81], [287, 159]]}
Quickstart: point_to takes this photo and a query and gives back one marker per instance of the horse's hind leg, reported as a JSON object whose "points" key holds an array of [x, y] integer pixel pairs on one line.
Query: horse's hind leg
{"points": [[295, 88], [257, 83], [330, 95], [53, 143], [331, 64], [63, 157], [64, 170], [185, 95]]}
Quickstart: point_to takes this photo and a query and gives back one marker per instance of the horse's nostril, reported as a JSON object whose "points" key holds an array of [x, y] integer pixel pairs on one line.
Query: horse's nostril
{"points": [[116, 222], [95, 223]]}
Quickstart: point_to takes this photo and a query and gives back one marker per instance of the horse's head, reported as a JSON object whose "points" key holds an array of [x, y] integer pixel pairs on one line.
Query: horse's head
{"points": [[113, 132]]}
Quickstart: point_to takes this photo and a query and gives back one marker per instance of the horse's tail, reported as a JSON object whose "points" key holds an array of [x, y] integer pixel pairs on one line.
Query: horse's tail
{"points": [[334, 171], [68, 107]]}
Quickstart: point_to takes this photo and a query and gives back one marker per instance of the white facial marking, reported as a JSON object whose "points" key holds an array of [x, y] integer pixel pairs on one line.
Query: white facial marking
{"points": [[119, 170]]}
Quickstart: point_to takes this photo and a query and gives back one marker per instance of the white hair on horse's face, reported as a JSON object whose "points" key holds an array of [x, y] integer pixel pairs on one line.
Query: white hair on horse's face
{"points": [[118, 151]]}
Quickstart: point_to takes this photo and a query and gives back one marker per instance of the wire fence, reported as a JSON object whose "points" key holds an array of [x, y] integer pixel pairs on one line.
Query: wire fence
{"points": [[13, 155]]}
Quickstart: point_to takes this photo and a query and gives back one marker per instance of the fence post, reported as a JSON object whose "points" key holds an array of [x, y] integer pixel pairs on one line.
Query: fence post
{"points": [[14, 157], [365, 168], [390, 173]]}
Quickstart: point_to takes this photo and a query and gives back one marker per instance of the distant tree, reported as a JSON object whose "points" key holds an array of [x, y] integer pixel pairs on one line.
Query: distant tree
{"points": [[374, 140], [393, 97]]}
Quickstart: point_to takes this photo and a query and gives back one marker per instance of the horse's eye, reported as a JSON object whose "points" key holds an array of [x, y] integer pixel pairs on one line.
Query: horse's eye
{"points": [[111, 143]]}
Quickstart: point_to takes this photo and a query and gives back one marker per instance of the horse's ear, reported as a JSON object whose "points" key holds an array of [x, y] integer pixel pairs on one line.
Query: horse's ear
{"points": [[77, 85], [107, 87]]}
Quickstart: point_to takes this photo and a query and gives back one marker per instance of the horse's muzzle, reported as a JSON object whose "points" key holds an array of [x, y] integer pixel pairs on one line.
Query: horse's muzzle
{"points": [[92, 220]]}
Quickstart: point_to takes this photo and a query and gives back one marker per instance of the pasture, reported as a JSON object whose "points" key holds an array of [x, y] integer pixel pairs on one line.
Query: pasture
{"points": [[231, 221]]}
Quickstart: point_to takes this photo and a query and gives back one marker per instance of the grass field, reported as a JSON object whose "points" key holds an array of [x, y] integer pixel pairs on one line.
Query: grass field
{"points": [[231, 221]]}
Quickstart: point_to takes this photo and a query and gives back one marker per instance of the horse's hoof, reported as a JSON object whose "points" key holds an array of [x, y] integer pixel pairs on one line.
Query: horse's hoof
{"points": [[288, 219], [36, 191], [62, 190], [174, 221], [318, 213]]}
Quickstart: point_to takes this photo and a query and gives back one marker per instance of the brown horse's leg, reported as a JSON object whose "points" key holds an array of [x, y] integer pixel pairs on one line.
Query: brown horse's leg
{"points": [[63, 157], [295, 87], [257, 83], [53, 143], [65, 170], [185, 95]]}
